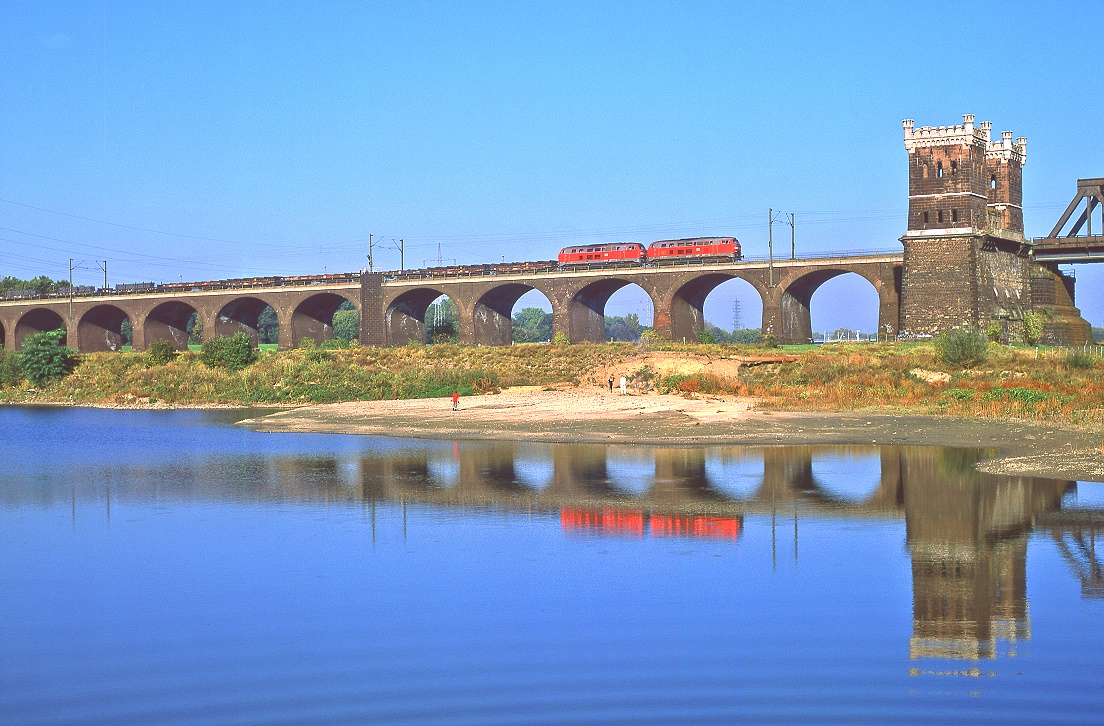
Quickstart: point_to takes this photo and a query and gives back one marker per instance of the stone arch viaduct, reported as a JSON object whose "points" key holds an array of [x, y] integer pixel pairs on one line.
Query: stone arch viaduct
{"points": [[393, 308]]}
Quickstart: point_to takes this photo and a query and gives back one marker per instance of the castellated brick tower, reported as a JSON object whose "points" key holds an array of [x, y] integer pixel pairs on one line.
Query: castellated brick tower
{"points": [[966, 261]]}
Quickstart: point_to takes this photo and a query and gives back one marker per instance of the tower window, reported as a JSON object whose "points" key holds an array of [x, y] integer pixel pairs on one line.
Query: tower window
{"points": [[940, 215], [939, 169], [954, 167], [925, 217], [992, 181], [954, 215]]}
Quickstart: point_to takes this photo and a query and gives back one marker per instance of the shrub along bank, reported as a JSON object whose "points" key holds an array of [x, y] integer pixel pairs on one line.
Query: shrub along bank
{"points": [[989, 380], [313, 375]]}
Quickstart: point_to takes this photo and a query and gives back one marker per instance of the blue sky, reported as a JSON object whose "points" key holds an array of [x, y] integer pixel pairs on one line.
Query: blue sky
{"points": [[227, 139]]}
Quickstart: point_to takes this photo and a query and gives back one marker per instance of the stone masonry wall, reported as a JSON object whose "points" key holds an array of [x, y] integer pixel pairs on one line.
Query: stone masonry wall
{"points": [[939, 285]]}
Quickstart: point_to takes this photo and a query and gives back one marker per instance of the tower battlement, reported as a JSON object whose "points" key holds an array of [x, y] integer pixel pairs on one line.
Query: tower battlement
{"points": [[962, 180]]}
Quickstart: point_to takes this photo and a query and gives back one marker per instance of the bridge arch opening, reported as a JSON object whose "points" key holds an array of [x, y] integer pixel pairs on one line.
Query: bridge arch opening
{"points": [[409, 317], [38, 320], [314, 318], [252, 316], [716, 302], [846, 301], [845, 307], [103, 328], [609, 309], [629, 312], [512, 313], [172, 321]]}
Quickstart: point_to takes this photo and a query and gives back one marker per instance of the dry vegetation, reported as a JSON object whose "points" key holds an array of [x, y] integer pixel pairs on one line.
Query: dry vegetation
{"points": [[906, 378]]}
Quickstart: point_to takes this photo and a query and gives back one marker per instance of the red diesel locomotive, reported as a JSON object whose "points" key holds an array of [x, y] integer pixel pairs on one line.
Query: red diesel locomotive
{"points": [[667, 250], [603, 253], [694, 247]]}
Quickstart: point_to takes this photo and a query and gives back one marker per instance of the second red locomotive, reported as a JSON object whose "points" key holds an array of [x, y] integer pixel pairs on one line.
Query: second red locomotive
{"points": [[663, 251]]}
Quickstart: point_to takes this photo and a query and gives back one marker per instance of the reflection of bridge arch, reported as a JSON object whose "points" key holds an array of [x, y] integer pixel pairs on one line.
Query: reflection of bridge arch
{"points": [[585, 311], [101, 329], [37, 320], [241, 315], [313, 317], [788, 477], [404, 317], [168, 321], [581, 472], [493, 313]]}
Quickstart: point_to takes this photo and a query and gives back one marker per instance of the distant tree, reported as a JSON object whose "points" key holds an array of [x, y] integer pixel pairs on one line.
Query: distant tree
{"points": [[126, 332], [747, 335], [194, 329], [532, 325], [40, 284], [627, 328], [346, 325], [1098, 334], [442, 322], [707, 337], [268, 327], [44, 359]]}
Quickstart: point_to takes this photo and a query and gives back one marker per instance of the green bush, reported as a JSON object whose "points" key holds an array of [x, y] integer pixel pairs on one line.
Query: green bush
{"points": [[769, 341], [706, 337], [1026, 396], [962, 349], [560, 339], [160, 352], [1079, 358], [10, 372], [234, 352], [44, 358], [1032, 327], [994, 331]]}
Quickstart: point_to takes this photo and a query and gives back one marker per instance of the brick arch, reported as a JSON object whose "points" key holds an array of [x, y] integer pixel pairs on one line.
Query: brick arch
{"points": [[404, 315], [168, 321], [687, 304], [3, 336], [312, 317], [794, 293], [492, 315], [38, 320], [583, 316], [241, 315], [100, 329]]}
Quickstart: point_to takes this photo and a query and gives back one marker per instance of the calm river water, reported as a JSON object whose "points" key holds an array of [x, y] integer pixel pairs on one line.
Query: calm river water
{"points": [[169, 567]]}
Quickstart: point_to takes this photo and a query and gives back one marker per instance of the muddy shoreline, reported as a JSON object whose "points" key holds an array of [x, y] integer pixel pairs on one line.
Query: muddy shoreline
{"points": [[589, 416]]}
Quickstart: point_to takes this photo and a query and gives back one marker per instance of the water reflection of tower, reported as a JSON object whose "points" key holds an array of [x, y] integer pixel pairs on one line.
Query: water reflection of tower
{"points": [[967, 534]]}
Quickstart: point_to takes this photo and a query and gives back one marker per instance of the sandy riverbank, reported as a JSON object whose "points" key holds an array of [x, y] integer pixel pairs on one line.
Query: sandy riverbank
{"points": [[594, 415]]}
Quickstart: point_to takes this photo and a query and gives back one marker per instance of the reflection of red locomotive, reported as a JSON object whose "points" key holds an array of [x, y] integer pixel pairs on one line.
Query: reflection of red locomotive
{"points": [[634, 523], [658, 253]]}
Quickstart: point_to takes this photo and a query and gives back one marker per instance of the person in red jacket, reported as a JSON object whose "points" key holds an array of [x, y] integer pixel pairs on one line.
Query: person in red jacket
{"points": [[455, 400]]}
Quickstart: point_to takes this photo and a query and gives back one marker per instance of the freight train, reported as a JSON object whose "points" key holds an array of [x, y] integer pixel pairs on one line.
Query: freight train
{"points": [[619, 254]]}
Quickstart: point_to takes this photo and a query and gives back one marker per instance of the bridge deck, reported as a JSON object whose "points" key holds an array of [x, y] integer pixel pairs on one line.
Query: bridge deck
{"points": [[1070, 249]]}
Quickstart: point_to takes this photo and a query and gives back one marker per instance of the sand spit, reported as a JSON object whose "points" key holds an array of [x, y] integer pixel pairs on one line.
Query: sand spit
{"points": [[595, 415]]}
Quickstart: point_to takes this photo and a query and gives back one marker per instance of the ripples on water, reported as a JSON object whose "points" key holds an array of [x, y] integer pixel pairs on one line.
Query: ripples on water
{"points": [[169, 567]]}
